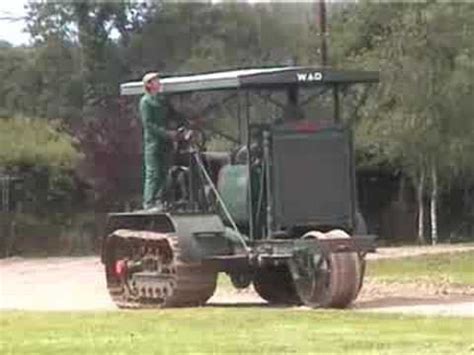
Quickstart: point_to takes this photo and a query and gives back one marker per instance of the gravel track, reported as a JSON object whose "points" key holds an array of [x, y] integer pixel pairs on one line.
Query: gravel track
{"points": [[77, 284]]}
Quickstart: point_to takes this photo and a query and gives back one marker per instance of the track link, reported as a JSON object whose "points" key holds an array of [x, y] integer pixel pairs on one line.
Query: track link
{"points": [[146, 270]]}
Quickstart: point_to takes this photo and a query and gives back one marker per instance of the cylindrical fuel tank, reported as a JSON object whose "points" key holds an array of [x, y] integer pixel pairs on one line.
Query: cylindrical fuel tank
{"points": [[233, 186]]}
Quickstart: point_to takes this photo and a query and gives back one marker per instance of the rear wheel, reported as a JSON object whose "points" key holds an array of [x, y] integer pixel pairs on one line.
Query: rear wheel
{"points": [[275, 285], [326, 279]]}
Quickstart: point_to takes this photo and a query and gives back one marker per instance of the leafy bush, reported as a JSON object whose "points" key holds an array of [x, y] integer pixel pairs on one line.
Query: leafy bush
{"points": [[34, 142], [44, 158]]}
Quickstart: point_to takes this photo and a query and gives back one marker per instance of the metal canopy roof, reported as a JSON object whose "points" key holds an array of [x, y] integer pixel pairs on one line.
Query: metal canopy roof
{"points": [[255, 78]]}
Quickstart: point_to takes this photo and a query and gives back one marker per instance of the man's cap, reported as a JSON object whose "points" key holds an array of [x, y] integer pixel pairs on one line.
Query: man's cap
{"points": [[149, 76]]}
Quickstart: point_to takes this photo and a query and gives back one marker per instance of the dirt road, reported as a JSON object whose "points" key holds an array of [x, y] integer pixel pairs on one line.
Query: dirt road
{"points": [[78, 284]]}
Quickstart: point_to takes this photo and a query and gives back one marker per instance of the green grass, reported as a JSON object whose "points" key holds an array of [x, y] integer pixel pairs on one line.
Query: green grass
{"points": [[251, 329], [245, 330], [455, 269], [224, 283]]}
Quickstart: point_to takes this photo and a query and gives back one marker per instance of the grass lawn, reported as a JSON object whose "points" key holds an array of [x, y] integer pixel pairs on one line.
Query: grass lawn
{"points": [[455, 268], [244, 330]]}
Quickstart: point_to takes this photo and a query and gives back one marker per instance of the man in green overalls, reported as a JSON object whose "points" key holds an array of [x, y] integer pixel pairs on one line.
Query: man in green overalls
{"points": [[156, 138]]}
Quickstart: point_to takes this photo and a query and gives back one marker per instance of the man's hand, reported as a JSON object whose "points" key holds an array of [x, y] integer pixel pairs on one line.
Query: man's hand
{"points": [[177, 135]]}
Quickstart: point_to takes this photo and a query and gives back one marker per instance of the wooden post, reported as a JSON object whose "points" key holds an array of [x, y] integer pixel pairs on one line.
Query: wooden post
{"points": [[320, 8]]}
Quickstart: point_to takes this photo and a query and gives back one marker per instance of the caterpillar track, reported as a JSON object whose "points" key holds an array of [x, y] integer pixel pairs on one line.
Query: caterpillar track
{"points": [[146, 270]]}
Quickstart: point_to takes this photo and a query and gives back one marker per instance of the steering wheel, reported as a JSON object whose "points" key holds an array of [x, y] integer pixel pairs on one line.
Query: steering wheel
{"points": [[195, 136]]}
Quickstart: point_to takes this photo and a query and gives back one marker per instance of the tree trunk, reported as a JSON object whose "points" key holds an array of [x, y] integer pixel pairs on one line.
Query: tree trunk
{"points": [[434, 202], [419, 200]]}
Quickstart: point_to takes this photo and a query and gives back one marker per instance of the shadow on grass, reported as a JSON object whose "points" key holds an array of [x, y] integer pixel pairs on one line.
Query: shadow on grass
{"points": [[258, 305]]}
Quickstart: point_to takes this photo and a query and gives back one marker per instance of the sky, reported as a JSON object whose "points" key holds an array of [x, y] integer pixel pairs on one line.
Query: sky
{"points": [[11, 31]]}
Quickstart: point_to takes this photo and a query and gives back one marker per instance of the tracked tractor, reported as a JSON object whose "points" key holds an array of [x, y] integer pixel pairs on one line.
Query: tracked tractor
{"points": [[278, 210]]}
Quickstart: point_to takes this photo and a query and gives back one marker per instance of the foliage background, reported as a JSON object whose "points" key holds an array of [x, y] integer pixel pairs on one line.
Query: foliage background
{"points": [[81, 146]]}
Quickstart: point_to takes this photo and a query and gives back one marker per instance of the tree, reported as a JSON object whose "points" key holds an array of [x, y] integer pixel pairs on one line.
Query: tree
{"points": [[45, 156], [418, 125], [87, 24]]}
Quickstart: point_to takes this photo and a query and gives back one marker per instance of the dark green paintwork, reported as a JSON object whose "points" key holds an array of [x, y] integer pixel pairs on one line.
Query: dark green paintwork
{"points": [[233, 187]]}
